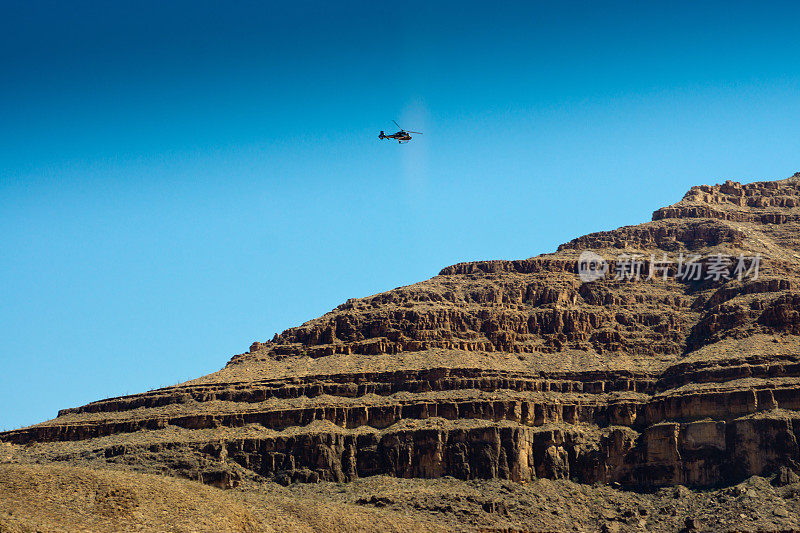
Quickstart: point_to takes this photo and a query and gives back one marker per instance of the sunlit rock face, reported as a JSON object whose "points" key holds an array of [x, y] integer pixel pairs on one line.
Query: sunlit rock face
{"points": [[680, 366]]}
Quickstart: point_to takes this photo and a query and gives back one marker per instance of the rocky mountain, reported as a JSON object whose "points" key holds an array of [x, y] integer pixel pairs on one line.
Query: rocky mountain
{"points": [[679, 366]]}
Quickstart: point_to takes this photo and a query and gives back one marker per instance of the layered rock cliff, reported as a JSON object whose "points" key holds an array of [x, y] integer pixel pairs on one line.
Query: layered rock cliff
{"points": [[510, 369]]}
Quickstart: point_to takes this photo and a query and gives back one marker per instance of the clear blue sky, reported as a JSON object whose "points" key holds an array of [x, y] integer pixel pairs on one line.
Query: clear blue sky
{"points": [[179, 181]]}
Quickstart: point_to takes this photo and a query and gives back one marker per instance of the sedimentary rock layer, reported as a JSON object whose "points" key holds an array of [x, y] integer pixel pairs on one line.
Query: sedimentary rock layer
{"points": [[509, 369]]}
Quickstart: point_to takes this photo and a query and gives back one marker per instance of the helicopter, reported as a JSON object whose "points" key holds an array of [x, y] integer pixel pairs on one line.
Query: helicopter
{"points": [[402, 136]]}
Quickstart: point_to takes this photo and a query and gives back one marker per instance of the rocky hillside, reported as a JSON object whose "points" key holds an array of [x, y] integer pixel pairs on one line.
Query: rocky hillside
{"points": [[680, 366]]}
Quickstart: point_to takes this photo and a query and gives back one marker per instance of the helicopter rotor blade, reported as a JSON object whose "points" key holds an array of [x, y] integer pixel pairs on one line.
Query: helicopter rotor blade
{"points": [[417, 132], [396, 124]]}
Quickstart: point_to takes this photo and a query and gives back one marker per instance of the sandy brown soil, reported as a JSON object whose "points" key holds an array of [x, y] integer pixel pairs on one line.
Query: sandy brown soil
{"points": [[61, 498]]}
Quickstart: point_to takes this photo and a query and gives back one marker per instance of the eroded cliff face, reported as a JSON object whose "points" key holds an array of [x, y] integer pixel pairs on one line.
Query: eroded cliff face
{"points": [[508, 369]]}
